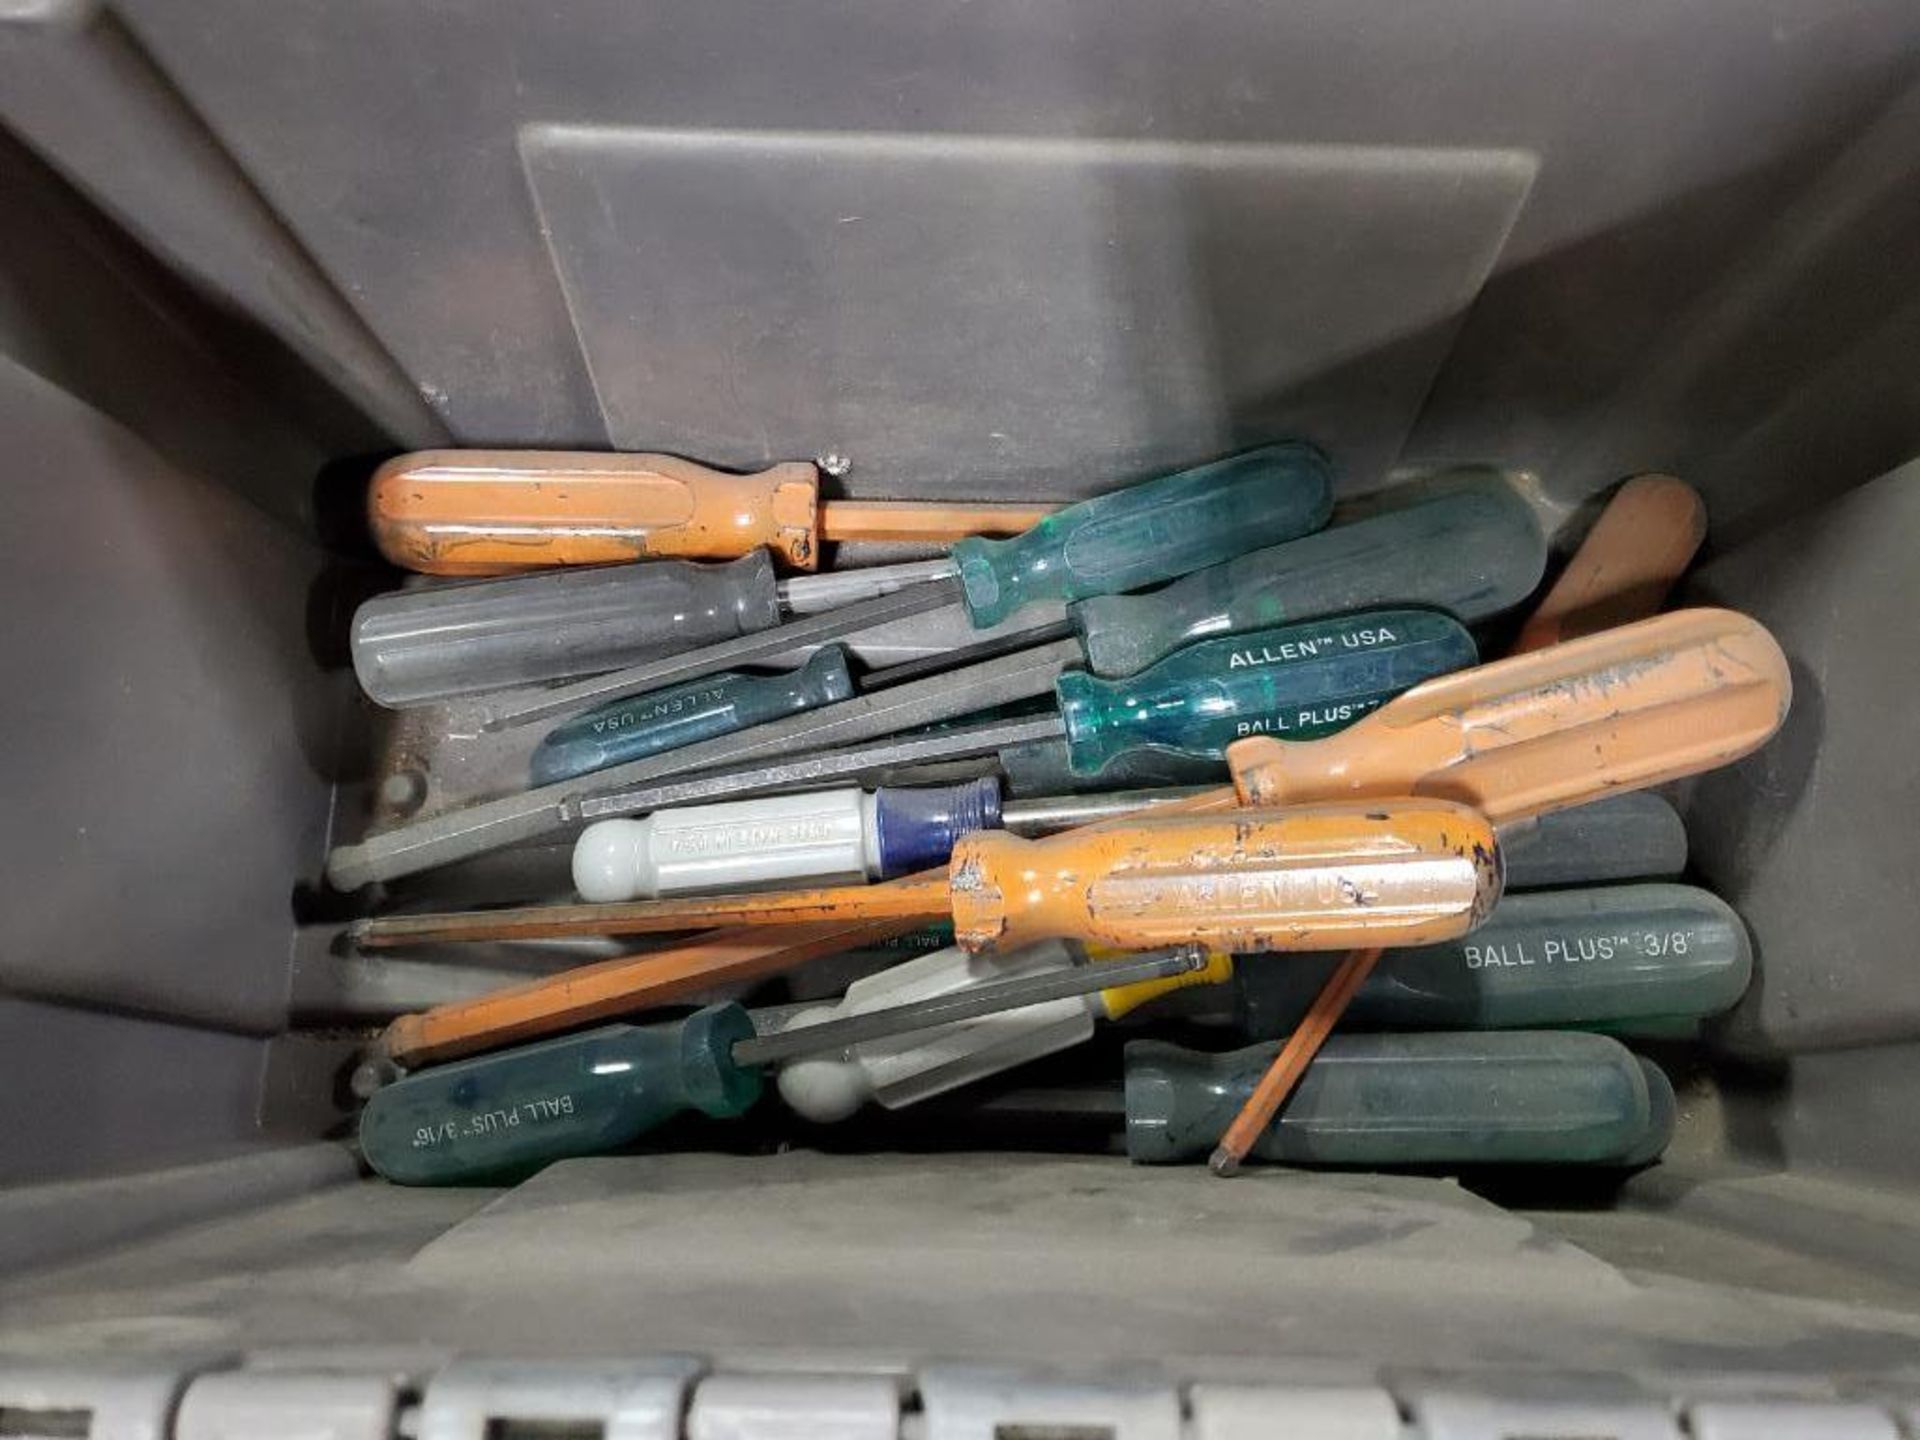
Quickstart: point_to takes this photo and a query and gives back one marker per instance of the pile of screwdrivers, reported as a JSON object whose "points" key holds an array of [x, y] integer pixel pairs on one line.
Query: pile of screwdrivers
{"points": [[1195, 744]]}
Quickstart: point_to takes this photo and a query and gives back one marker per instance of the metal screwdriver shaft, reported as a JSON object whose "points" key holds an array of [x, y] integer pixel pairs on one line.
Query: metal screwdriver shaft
{"points": [[968, 1004]]}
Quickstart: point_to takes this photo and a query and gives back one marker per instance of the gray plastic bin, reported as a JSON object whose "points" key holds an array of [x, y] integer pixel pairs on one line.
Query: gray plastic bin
{"points": [[976, 248]]}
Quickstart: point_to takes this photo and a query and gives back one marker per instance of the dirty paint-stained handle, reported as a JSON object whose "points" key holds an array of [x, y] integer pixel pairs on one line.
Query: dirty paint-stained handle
{"points": [[1312, 878], [1638, 548], [493, 512], [1621, 710]]}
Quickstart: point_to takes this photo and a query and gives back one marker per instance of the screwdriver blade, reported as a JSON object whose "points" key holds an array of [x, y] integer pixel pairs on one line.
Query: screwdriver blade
{"points": [[808, 771], [837, 589], [968, 1004]]}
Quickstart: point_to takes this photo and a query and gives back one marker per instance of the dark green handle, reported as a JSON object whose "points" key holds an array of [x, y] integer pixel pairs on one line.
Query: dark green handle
{"points": [[1616, 957], [1150, 532], [1295, 682], [1498, 1098], [1471, 554], [503, 1115], [662, 720]]}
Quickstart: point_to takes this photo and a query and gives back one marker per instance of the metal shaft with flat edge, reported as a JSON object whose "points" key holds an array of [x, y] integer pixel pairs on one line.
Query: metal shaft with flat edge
{"points": [[476, 829], [757, 648], [810, 771], [968, 1004]]}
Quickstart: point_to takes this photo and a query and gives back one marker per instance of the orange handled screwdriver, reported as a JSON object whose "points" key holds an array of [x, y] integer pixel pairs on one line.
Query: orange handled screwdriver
{"points": [[1621, 710], [494, 512], [1311, 878]]}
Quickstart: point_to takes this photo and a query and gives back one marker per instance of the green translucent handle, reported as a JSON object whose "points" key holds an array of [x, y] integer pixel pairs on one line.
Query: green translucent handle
{"points": [[1622, 957], [1295, 682], [503, 1115], [1472, 554], [1505, 1098], [1044, 767], [663, 720], [1150, 532]]}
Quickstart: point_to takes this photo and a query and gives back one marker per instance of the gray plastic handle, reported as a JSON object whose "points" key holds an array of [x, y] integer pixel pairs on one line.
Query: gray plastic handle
{"points": [[420, 645]]}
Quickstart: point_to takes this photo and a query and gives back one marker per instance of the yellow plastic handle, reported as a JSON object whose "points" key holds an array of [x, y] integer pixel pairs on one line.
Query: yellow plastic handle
{"points": [[1620, 710], [494, 512], [1122, 999]]}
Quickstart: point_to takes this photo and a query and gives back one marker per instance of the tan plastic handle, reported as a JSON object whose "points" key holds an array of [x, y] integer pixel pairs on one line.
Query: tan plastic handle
{"points": [[1620, 710], [494, 512], [1638, 548], [1313, 878]]}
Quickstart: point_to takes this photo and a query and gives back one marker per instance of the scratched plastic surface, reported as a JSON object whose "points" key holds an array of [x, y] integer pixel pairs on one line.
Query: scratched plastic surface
{"points": [[503, 1115], [1471, 554], [464, 638], [662, 720], [1295, 682], [1498, 1098], [1617, 958], [1635, 836], [1150, 532]]}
